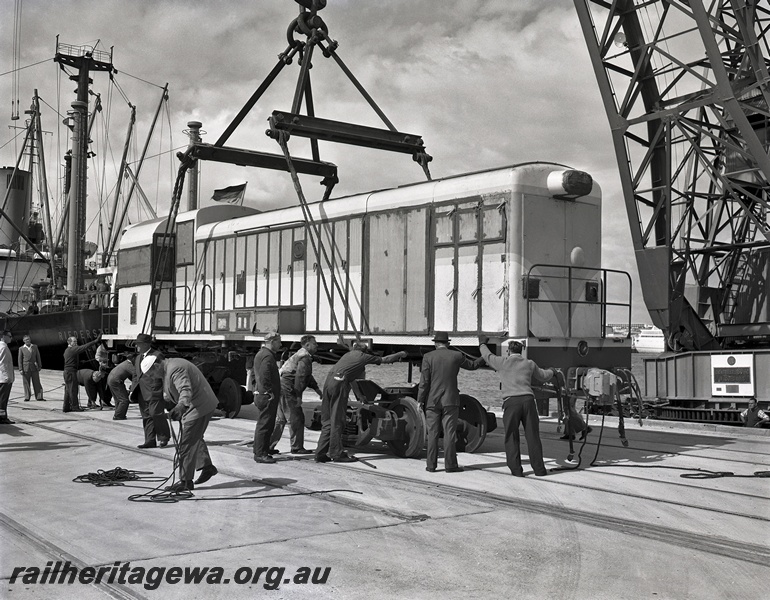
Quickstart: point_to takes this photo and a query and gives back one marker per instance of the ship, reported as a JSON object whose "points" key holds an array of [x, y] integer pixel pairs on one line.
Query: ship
{"points": [[51, 288], [649, 339]]}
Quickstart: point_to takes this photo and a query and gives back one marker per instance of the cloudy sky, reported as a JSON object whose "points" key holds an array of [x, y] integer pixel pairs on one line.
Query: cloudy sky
{"points": [[486, 83]]}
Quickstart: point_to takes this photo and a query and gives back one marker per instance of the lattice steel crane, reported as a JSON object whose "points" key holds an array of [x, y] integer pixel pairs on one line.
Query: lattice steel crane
{"points": [[686, 88]]}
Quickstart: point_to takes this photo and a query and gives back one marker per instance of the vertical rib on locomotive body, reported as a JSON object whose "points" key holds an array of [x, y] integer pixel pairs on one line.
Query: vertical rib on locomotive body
{"points": [[459, 254]]}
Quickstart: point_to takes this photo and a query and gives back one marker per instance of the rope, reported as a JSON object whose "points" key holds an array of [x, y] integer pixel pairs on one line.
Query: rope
{"points": [[163, 496], [113, 477], [26, 67]]}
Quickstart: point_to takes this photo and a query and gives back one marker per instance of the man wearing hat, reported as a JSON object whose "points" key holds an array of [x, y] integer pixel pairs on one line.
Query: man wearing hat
{"points": [[519, 408], [268, 395], [71, 360], [6, 377], [147, 391], [439, 395]]}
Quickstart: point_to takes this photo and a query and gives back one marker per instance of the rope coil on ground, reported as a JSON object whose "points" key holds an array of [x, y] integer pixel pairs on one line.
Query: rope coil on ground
{"points": [[116, 476]]}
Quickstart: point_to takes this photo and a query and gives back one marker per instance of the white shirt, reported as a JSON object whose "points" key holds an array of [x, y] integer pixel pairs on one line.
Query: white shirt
{"points": [[147, 361], [6, 364]]}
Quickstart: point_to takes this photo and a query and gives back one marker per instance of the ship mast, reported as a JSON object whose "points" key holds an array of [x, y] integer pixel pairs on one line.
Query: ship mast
{"points": [[193, 131], [86, 60]]}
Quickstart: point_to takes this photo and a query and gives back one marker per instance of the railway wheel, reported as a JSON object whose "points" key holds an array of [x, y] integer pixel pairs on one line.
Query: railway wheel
{"points": [[230, 397], [413, 441], [471, 424], [365, 428]]}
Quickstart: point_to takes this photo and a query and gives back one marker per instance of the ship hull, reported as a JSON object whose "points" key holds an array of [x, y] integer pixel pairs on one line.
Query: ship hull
{"points": [[51, 330]]}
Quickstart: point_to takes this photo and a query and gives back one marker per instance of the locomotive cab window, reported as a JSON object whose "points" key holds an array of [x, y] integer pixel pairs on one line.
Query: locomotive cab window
{"points": [[134, 266]]}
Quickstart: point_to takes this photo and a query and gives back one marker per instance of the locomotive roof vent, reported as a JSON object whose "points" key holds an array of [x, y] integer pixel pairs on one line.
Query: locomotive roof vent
{"points": [[569, 184]]}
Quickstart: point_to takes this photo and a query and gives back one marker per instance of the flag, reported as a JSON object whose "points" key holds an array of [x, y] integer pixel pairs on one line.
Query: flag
{"points": [[231, 195]]}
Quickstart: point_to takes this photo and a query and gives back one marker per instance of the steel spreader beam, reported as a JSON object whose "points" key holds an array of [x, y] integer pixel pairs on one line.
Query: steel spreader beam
{"points": [[345, 133], [265, 160]]}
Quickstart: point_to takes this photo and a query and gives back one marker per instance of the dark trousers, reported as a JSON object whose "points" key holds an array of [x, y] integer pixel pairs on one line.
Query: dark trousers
{"points": [[263, 432], [193, 452], [91, 392], [118, 389], [153, 420], [32, 377], [290, 411], [5, 394], [437, 417], [334, 404], [71, 387], [522, 410]]}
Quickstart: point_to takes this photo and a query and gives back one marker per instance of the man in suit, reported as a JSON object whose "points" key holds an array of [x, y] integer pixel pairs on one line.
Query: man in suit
{"points": [[147, 391], [193, 403], [439, 395], [6, 377], [268, 388], [29, 366], [334, 399]]}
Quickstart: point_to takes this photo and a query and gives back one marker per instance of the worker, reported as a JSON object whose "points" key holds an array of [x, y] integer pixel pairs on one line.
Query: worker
{"points": [[116, 381], [6, 377], [296, 375], [268, 395], [30, 363], [516, 374], [95, 385], [334, 400], [102, 356], [753, 416], [71, 399], [192, 403], [440, 397], [147, 390]]}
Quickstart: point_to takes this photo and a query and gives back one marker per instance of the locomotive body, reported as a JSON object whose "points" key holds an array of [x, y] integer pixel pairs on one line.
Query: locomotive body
{"points": [[509, 253]]}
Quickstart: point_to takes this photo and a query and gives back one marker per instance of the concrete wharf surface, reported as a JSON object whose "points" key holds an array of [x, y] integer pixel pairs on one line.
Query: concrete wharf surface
{"points": [[628, 527]]}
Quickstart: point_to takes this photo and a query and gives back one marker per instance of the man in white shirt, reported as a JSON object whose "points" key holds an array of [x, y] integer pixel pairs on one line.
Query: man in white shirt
{"points": [[147, 391], [6, 377]]}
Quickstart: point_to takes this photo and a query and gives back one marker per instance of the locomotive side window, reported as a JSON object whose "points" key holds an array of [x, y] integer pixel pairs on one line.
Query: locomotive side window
{"points": [[298, 256], [443, 217], [261, 274], [469, 265], [230, 271], [250, 294], [285, 268], [219, 274], [240, 271], [163, 258]]}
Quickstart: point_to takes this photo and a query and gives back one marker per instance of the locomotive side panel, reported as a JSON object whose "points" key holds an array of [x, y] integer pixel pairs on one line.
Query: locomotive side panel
{"points": [[386, 265], [416, 318]]}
